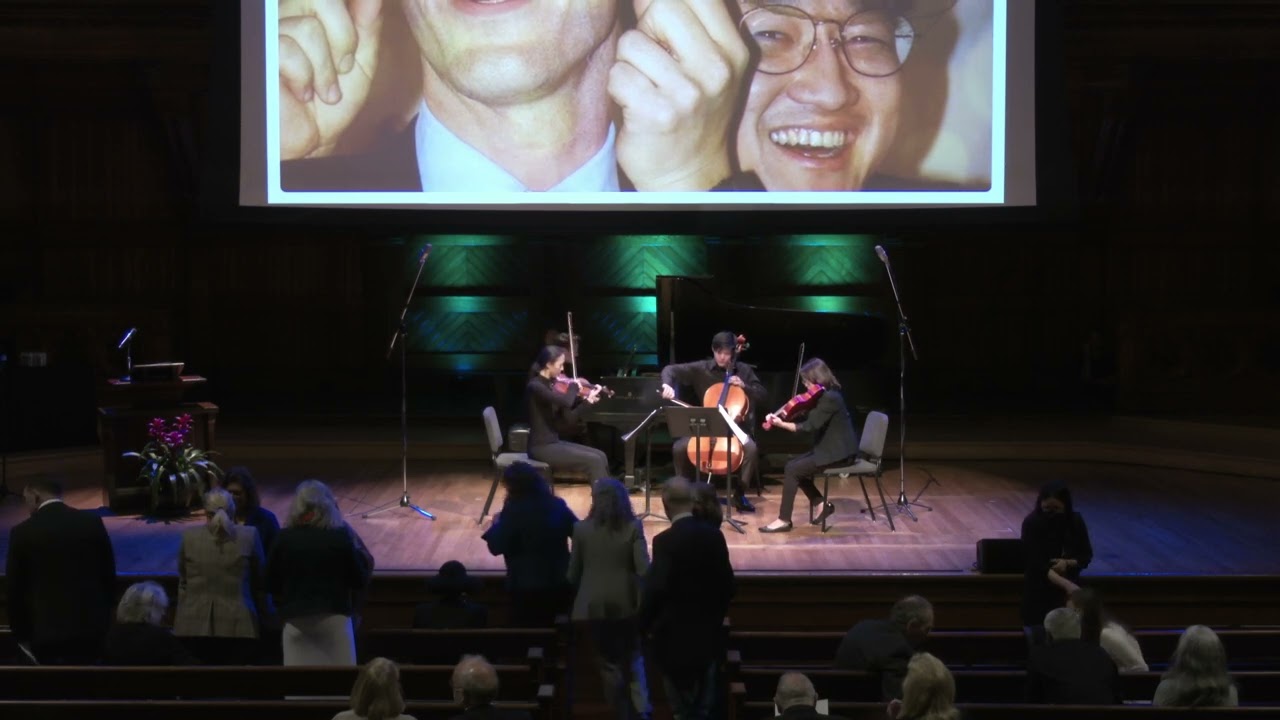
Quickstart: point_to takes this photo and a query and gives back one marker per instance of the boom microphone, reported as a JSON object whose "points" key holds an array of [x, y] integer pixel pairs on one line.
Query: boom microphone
{"points": [[127, 337], [425, 252], [884, 256]]}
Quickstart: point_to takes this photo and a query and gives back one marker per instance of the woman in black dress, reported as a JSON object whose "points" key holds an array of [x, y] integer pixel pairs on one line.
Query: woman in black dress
{"points": [[549, 408], [1054, 537]]}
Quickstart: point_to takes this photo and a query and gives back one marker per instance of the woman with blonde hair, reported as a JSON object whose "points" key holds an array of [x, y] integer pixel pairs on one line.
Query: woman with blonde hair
{"points": [[1197, 675], [377, 694], [316, 570], [221, 585], [928, 691]]}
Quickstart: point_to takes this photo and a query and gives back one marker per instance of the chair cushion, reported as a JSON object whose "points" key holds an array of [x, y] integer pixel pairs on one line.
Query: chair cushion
{"points": [[861, 467], [506, 460]]}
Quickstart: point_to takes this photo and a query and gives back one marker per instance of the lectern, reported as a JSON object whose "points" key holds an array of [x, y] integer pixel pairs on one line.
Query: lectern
{"points": [[122, 426]]}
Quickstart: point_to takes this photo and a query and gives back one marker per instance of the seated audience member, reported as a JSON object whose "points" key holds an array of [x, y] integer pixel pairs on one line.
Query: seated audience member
{"points": [[475, 687], [376, 694], [928, 692], [796, 699], [1069, 671], [452, 610], [1098, 627], [221, 586], [886, 646], [532, 533], [706, 504], [249, 511], [316, 570], [1197, 675], [139, 637], [61, 575]]}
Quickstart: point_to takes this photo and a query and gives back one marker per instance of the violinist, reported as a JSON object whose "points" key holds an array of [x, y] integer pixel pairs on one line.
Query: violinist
{"points": [[548, 399], [834, 443], [702, 374]]}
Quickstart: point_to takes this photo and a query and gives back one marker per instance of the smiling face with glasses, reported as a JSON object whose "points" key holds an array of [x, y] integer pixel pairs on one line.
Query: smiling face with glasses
{"points": [[822, 110]]}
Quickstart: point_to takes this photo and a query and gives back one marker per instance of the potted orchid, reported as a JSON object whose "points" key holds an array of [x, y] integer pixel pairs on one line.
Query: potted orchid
{"points": [[172, 465]]}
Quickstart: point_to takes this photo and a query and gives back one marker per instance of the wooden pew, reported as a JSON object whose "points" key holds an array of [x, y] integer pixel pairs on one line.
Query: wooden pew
{"points": [[256, 683], [1246, 649], [539, 708], [763, 710], [512, 646], [980, 686]]}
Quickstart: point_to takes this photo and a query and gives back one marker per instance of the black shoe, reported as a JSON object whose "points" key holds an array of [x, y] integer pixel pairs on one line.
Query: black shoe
{"points": [[742, 504], [827, 511], [784, 528]]}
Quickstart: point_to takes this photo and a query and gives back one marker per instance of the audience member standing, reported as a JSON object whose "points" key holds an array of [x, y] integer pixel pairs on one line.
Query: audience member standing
{"points": [[686, 596], [221, 586], [475, 687], [1067, 670], [532, 533], [796, 699], [928, 691], [1055, 537], [706, 504], [609, 560], [452, 610], [886, 646], [1197, 675], [61, 576], [315, 572], [249, 511], [377, 694], [139, 636]]}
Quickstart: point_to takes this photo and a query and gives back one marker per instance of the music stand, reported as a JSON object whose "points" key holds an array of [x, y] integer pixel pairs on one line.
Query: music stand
{"points": [[647, 426], [698, 423]]}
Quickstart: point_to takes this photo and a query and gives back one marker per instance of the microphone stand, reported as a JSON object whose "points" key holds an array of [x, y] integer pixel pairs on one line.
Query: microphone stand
{"points": [[903, 504], [401, 335]]}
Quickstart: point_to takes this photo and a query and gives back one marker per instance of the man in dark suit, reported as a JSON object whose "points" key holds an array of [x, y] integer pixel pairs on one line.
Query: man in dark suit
{"points": [[886, 646], [1068, 670], [61, 573], [518, 103], [475, 687], [796, 699], [686, 595]]}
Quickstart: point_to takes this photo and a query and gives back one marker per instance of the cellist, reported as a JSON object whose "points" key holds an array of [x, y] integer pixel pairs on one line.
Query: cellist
{"points": [[702, 374], [835, 443]]}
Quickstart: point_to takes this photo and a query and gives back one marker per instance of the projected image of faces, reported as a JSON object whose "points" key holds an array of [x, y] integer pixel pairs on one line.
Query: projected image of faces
{"points": [[650, 96]]}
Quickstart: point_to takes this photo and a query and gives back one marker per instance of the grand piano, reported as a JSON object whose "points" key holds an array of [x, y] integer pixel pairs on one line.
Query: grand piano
{"points": [[693, 309]]}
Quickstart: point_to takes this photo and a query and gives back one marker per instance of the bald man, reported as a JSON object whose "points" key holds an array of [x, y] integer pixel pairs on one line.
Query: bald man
{"points": [[475, 687], [797, 699]]}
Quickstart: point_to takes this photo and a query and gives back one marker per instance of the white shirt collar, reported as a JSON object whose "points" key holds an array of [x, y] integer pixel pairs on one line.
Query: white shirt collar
{"points": [[447, 164], [681, 516], [46, 502]]}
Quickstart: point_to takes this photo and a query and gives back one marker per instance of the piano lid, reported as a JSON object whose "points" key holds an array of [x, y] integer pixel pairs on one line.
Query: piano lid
{"points": [[845, 340]]}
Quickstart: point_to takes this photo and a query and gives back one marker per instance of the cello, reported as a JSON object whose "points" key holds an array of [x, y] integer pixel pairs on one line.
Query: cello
{"points": [[715, 455]]}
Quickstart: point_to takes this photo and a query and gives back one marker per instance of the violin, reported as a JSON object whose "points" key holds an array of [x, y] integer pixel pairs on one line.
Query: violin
{"points": [[713, 455], [795, 407], [563, 382]]}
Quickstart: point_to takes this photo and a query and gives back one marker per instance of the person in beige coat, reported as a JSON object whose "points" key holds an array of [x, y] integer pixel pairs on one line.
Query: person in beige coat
{"points": [[610, 557], [221, 586]]}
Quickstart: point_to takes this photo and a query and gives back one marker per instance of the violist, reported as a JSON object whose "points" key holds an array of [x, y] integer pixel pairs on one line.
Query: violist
{"points": [[835, 443]]}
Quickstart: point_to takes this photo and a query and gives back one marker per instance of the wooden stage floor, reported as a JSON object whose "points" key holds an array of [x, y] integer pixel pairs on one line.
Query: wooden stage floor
{"points": [[1143, 520]]}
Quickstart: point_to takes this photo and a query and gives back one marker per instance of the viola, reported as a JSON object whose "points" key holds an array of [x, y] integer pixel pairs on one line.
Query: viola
{"points": [[795, 407]]}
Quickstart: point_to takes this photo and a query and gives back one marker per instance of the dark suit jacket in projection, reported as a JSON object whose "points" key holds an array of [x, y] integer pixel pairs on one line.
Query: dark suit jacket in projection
{"points": [[61, 576], [392, 166]]}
